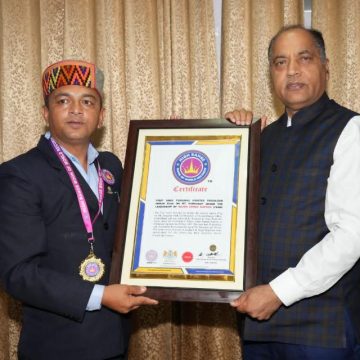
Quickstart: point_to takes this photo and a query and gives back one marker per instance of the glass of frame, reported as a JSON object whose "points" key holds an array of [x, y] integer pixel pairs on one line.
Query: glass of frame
{"points": [[188, 214]]}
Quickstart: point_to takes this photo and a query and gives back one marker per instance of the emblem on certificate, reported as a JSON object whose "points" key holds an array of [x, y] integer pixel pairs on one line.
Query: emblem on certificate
{"points": [[191, 167], [92, 268]]}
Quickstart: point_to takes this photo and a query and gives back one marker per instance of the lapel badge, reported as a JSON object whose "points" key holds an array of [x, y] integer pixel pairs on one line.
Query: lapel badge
{"points": [[108, 177]]}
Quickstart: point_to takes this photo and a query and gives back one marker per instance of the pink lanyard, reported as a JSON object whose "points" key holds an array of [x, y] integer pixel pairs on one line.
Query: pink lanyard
{"points": [[79, 194]]}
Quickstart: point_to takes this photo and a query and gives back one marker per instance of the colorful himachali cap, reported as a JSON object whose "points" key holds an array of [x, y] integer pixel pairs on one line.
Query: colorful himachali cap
{"points": [[72, 72]]}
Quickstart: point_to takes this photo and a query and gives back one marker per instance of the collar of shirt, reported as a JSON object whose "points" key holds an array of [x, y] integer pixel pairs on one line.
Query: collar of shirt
{"points": [[91, 175], [306, 114]]}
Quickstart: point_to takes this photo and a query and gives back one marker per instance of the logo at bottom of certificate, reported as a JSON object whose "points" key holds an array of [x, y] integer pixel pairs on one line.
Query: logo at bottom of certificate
{"points": [[187, 256], [151, 255], [212, 247], [170, 256]]}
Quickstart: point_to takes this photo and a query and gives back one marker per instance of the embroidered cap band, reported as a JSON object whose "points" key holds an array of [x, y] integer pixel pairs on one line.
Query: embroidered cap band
{"points": [[72, 72]]}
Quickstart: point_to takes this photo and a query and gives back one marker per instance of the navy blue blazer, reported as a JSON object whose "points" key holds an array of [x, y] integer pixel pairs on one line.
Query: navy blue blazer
{"points": [[42, 243]]}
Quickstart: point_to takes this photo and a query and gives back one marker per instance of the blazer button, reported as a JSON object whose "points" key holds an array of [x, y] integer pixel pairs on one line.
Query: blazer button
{"points": [[273, 167], [263, 200], [106, 226]]}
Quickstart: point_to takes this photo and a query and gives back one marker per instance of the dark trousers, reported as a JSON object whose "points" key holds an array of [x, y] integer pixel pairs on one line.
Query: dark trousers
{"points": [[254, 350]]}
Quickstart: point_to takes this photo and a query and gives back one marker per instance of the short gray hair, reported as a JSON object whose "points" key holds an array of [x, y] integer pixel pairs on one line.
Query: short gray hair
{"points": [[315, 34]]}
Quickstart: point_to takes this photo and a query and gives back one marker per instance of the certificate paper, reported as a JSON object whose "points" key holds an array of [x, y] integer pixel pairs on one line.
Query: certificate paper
{"points": [[185, 221], [184, 214]]}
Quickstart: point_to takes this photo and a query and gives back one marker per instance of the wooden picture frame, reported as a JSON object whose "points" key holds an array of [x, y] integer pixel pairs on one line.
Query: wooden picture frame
{"points": [[188, 217]]}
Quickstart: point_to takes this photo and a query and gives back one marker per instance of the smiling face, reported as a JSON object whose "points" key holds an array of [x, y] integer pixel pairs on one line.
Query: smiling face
{"points": [[73, 114], [298, 74]]}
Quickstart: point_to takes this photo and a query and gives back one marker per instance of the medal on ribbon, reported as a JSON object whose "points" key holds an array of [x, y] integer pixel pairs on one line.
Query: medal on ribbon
{"points": [[92, 268]]}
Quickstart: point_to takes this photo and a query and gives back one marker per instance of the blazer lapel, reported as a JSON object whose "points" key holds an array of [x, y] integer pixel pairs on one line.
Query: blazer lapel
{"points": [[111, 195], [46, 149], [109, 201], [91, 199]]}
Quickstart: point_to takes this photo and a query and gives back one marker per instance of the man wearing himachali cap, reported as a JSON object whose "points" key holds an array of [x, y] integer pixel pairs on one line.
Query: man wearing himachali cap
{"points": [[58, 207]]}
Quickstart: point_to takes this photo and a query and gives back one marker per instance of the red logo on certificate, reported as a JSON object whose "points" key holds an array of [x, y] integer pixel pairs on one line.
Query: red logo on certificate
{"points": [[187, 256]]}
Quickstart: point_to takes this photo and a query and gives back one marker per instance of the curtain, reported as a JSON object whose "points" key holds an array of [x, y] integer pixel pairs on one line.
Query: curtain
{"points": [[248, 26], [337, 20], [159, 58]]}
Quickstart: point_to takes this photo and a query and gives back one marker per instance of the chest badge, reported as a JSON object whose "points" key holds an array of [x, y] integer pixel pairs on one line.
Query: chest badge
{"points": [[108, 177]]}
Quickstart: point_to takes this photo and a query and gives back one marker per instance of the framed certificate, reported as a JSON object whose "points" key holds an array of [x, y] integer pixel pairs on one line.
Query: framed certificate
{"points": [[188, 215]]}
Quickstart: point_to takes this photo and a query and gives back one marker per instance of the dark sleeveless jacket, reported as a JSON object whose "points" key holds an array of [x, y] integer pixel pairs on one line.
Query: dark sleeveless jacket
{"points": [[295, 166]]}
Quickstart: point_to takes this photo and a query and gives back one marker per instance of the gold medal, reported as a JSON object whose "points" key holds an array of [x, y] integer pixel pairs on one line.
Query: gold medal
{"points": [[92, 268]]}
